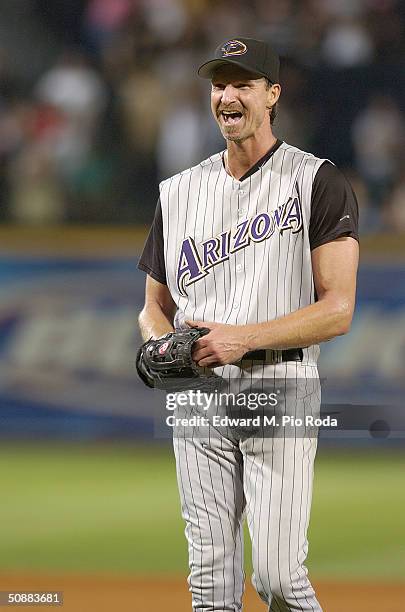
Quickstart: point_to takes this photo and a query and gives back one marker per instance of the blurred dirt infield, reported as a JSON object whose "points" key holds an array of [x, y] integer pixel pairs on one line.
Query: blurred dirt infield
{"points": [[106, 593]]}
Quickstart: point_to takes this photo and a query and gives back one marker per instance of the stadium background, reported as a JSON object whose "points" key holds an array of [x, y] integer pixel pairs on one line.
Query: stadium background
{"points": [[98, 102]]}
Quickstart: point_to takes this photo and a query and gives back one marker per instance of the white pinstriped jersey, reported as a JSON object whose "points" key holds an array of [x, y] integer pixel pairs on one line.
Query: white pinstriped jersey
{"points": [[238, 251]]}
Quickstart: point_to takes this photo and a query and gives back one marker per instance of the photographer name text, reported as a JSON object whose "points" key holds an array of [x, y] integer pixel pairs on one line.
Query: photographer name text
{"points": [[256, 421]]}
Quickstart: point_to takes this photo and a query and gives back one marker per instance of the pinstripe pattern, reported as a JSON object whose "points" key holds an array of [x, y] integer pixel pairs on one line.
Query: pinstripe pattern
{"points": [[258, 277]]}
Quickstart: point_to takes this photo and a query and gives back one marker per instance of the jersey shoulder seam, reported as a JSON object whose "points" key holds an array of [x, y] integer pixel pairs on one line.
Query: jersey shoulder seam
{"points": [[294, 150]]}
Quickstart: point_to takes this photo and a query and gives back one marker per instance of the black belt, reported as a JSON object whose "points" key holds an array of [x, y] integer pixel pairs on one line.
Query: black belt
{"points": [[272, 356]]}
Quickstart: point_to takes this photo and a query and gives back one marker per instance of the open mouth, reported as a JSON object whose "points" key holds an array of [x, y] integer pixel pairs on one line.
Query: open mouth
{"points": [[231, 117]]}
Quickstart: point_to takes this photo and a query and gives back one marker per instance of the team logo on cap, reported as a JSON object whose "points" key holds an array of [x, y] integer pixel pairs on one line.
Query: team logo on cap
{"points": [[233, 47]]}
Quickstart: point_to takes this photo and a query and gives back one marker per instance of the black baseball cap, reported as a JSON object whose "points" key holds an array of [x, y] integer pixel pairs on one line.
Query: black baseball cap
{"points": [[256, 56]]}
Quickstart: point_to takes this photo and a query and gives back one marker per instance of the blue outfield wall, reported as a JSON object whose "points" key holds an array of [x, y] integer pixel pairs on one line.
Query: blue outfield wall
{"points": [[68, 339]]}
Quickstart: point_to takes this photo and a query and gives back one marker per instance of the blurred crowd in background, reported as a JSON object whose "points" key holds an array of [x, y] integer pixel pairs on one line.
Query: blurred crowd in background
{"points": [[99, 99]]}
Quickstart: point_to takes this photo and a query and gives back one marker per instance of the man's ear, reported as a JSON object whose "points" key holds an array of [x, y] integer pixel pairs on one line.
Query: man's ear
{"points": [[273, 95]]}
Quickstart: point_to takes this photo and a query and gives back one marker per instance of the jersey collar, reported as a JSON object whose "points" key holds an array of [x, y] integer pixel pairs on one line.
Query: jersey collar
{"points": [[260, 162]]}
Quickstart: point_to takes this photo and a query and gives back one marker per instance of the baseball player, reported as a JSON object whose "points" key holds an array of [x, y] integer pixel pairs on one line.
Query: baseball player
{"points": [[258, 244]]}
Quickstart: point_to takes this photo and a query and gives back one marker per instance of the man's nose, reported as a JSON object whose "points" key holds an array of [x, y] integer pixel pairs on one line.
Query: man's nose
{"points": [[229, 94]]}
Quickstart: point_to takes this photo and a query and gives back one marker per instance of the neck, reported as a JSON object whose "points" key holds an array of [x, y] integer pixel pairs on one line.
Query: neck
{"points": [[241, 156]]}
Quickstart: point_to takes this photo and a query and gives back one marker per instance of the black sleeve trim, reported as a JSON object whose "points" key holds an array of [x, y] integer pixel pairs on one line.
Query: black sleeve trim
{"points": [[335, 236], [151, 273], [334, 208], [152, 260]]}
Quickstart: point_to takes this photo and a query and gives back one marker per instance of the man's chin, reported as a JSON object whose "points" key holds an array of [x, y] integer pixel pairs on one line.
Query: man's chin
{"points": [[232, 136]]}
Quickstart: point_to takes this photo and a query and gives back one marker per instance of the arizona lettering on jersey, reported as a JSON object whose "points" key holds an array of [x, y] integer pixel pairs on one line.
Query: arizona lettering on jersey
{"points": [[194, 263]]}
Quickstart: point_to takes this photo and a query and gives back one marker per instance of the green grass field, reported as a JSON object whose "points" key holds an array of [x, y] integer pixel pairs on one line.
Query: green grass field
{"points": [[115, 509]]}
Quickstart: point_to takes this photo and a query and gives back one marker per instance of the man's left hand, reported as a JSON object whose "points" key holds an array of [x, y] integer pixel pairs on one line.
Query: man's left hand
{"points": [[224, 344]]}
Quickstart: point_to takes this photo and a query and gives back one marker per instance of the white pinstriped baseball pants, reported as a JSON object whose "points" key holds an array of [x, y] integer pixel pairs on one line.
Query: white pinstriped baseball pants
{"points": [[268, 478]]}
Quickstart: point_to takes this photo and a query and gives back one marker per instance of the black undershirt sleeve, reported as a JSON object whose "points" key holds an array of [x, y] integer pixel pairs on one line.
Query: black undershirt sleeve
{"points": [[152, 260], [334, 208]]}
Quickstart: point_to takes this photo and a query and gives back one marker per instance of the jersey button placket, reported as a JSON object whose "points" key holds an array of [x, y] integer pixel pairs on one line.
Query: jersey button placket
{"points": [[241, 205], [239, 255]]}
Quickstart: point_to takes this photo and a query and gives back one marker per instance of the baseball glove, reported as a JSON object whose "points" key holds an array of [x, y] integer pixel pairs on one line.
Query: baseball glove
{"points": [[166, 363]]}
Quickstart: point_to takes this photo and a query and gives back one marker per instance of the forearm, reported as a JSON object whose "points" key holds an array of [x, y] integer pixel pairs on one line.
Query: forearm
{"points": [[312, 324], [153, 322]]}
